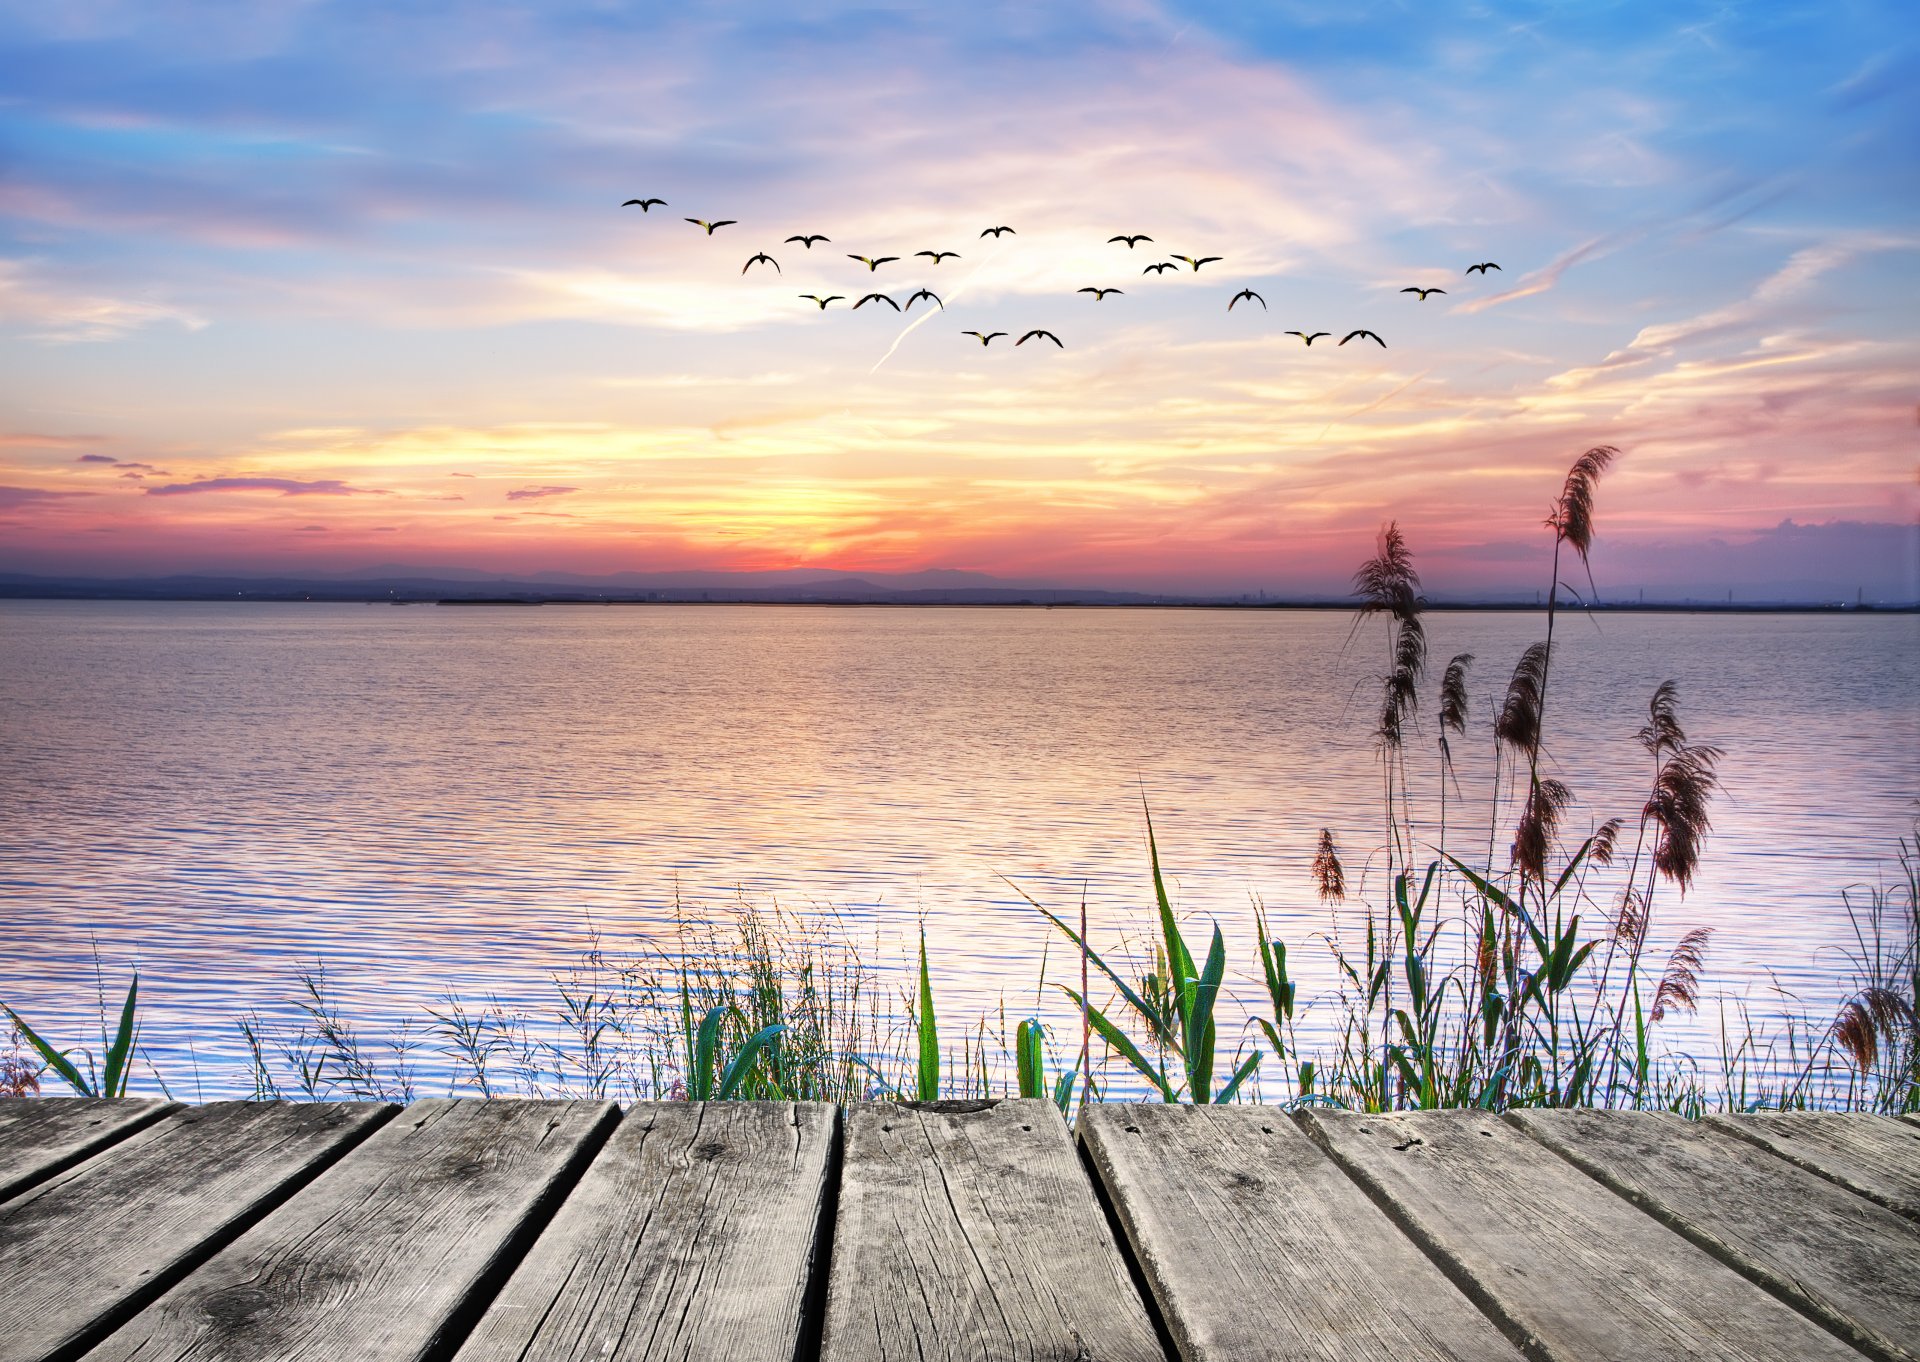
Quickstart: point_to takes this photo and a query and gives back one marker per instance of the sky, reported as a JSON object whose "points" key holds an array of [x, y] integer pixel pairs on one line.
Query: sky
{"points": [[296, 286]]}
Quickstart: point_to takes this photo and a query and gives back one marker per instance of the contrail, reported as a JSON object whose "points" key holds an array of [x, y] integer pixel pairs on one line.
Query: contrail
{"points": [[1374, 405], [959, 290]]}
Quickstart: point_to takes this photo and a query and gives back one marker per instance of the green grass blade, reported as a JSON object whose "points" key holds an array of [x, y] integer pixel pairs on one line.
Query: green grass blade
{"points": [[706, 1049], [1130, 1052], [1126, 990], [929, 1067], [1240, 1075], [1029, 1059], [113, 1082], [1199, 1020], [1063, 1091], [56, 1061], [742, 1064], [1179, 958]]}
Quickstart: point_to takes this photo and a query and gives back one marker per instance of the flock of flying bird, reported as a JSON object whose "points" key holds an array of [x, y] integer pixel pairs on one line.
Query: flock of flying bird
{"points": [[1129, 240]]}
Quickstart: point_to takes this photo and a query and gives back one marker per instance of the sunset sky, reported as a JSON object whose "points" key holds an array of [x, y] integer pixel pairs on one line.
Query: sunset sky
{"points": [[316, 286]]}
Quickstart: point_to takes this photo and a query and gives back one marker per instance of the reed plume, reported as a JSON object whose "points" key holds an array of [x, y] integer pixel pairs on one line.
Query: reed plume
{"points": [[1533, 838], [1629, 922], [1329, 876], [1606, 839], [1387, 583], [1680, 983], [1873, 1014], [1453, 703], [1572, 518], [1662, 733], [1519, 722], [1678, 809]]}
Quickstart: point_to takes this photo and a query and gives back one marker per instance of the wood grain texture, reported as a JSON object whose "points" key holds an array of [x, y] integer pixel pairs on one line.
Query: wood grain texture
{"points": [[1573, 1271], [1848, 1262], [691, 1237], [41, 1136], [1256, 1245], [970, 1231], [89, 1246], [1876, 1156], [376, 1258]]}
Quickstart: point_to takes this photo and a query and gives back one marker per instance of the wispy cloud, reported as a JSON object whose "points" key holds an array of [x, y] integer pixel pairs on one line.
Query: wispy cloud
{"points": [[535, 493], [288, 487]]}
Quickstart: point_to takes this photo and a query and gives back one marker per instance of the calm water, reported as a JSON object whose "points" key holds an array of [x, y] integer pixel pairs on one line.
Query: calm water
{"points": [[426, 797]]}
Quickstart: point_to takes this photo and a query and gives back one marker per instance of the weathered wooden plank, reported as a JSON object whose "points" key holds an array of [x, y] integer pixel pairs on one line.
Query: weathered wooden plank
{"points": [[1851, 1264], [1572, 1271], [39, 1137], [970, 1231], [89, 1246], [691, 1237], [378, 1258], [1873, 1155], [1256, 1245]]}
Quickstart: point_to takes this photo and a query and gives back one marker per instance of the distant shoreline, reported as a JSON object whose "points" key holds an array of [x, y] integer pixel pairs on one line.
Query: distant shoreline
{"points": [[336, 596]]}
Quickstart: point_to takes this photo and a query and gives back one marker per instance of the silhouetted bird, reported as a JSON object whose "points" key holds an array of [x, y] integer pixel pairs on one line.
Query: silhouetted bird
{"points": [[995, 233], [873, 265], [644, 205], [809, 239], [1482, 269], [1247, 293], [876, 298], [986, 338], [1203, 260], [1131, 241], [938, 256], [1098, 293], [1160, 268], [757, 258], [925, 293], [1046, 334], [830, 298], [712, 226], [1368, 334], [1311, 338], [1423, 292]]}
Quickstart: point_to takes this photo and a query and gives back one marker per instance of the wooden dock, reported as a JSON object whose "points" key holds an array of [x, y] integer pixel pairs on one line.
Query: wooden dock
{"points": [[742, 1231]]}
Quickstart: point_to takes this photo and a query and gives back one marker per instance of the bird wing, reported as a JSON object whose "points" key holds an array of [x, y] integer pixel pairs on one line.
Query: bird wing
{"points": [[879, 298], [1187, 258], [992, 334], [1433, 290], [629, 203], [1490, 266], [1205, 260], [1087, 290], [1412, 290], [885, 258], [724, 222], [918, 254], [969, 333], [1321, 333], [696, 222]]}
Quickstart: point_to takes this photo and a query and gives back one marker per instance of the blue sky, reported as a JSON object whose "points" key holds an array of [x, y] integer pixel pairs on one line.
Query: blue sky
{"points": [[364, 248]]}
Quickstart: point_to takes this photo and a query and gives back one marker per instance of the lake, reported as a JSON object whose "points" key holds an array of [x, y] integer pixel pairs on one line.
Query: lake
{"points": [[425, 798]]}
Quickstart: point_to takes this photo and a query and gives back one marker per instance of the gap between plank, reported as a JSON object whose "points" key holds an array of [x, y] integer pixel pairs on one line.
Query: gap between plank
{"points": [[466, 1314], [1123, 1242], [1450, 1267], [85, 1340]]}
